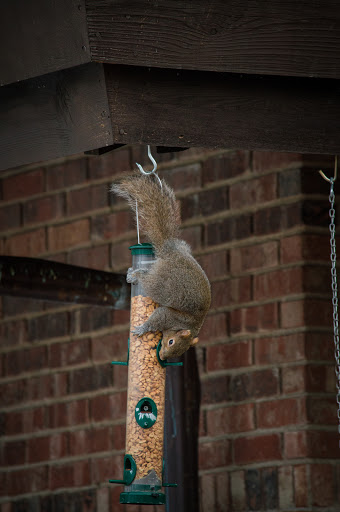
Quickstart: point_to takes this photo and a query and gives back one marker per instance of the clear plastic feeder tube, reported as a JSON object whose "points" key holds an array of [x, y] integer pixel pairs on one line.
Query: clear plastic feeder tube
{"points": [[146, 394]]}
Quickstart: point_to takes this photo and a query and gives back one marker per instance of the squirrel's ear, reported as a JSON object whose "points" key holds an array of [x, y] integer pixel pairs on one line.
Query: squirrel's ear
{"points": [[194, 341], [185, 333]]}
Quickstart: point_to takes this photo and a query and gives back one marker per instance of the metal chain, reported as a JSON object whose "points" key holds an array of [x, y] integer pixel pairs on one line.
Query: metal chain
{"points": [[335, 295]]}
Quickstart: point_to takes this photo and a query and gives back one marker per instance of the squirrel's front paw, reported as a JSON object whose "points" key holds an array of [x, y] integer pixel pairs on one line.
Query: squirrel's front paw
{"points": [[140, 330], [131, 276]]}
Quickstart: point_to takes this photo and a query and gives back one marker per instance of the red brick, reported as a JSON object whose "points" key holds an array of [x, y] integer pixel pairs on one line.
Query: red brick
{"points": [[92, 257], [90, 378], [222, 492], [282, 349], [119, 436], [322, 411], [319, 346], [87, 198], [107, 407], [111, 347], [73, 172], [183, 177], [70, 353], [193, 236], [322, 485], [267, 160], [234, 419], [33, 420], [23, 185], [311, 312], [301, 486], [214, 454], [121, 316], [38, 388], [286, 487], [14, 453], [317, 279], [12, 423], [259, 190], [323, 444], [47, 448], [293, 379], [104, 468], [257, 449], [60, 384], [214, 389], [90, 441], [320, 378], [255, 384], [214, 328], [102, 500], [222, 167], [253, 257], [111, 225], [295, 444], [68, 414], [94, 318], [230, 291], [23, 481], [254, 319], [48, 326], [292, 314], [214, 264], [43, 209], [279, 283], [278, 413], [32, 243], [13, 392], [304, 247], [68, 235], [235, 355], [13, 333], [110, 164], [229, 229], [26, 360], [120, 255], [207, 492], [10, 217], [238, 492]]}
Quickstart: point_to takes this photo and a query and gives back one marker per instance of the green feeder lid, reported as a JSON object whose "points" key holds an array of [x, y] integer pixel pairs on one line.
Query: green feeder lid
{"points": [[141, 249]]}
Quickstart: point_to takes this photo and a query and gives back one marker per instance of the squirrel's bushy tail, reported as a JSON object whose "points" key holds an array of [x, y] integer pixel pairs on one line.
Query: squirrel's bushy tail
{"points": [[158, 210]]}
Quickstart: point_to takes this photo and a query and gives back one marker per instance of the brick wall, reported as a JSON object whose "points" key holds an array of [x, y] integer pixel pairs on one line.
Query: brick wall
{"points": [[258, 224]]}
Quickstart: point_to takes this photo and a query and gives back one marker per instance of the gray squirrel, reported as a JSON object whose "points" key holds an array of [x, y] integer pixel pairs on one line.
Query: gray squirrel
{"points": [[175, 280]]}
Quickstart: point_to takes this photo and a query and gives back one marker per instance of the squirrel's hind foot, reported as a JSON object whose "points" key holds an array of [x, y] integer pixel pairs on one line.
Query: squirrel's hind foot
{"points": [[132, 275]]}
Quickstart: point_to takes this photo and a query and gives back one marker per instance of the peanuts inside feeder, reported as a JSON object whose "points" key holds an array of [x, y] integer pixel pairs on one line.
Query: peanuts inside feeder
{"points": [[145, 401]]}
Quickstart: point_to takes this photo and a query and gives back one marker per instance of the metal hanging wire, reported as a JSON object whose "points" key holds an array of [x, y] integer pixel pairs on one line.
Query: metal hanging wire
{"points": [[147, 173], [334, 283]]}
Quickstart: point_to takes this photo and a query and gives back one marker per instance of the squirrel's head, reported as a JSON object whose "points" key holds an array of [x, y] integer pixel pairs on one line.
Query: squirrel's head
{"points": [[175, 343]]}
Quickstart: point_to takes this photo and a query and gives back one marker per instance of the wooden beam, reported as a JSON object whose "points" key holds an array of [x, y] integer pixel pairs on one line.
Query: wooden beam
{"points": [[188, 109], [55, 115], [40, 37], [51, 280], [270, 37]]}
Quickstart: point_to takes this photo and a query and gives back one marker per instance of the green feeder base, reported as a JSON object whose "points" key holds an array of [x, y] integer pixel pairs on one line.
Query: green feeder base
{"points": [[144, 498]]}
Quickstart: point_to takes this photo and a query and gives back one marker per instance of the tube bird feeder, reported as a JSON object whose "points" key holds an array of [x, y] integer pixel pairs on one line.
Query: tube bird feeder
{"points": [[143, 461]]}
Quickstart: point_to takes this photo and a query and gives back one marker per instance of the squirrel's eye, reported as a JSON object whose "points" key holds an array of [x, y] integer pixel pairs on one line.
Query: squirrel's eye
{"points": [[171, 342]]}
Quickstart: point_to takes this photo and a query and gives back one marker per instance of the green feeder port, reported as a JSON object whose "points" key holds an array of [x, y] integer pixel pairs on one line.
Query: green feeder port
{"points": [[146, 412]]}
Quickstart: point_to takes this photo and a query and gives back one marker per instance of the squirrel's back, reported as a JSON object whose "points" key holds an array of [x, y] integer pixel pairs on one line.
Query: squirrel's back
{"points": [[158, 210]]}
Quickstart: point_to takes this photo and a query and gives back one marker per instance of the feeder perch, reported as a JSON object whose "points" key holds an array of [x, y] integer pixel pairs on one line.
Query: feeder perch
{"points": [[143, 462]]}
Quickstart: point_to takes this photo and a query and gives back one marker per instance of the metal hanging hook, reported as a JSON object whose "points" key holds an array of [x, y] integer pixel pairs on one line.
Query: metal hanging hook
{"points": [[153, 171], [331, 180]]}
